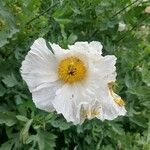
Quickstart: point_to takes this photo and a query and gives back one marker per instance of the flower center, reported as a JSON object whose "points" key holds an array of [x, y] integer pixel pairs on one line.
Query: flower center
{"points": [[71, 70]]}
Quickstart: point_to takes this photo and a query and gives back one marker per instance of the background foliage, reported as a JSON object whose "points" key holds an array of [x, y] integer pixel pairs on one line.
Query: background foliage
{"points": [[22, 126]]}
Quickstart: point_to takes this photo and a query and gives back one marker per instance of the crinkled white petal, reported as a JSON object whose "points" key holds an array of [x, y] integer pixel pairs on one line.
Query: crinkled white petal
{"points": [[58, 51], [64, 102], [88, 110], [97, 46], [39, 66], [69, 97], [39, 71], [44, 94], [110, 109], [87, 48], [106, 68]]}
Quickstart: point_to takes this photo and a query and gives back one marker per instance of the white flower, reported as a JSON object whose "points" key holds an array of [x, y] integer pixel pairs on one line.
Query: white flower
{"points": [[147, 9], [121, 27], [75, 82]]}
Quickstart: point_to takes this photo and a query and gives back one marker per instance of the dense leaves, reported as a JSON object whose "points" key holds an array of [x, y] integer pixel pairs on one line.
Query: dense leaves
{"points": [[24, 127]]}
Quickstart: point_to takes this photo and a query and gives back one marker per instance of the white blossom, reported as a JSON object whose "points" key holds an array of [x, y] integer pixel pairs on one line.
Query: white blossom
{"points": [[121, 27], [75, 82]]}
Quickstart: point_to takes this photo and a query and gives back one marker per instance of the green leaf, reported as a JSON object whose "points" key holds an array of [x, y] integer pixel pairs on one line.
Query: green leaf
{"points": [[72, 38], [22, 118], [139, 121], [24, 134], [117, 128], [7, 145], [7, 118], [10, 80], [63, 21], [46, 140], [61, 124]]}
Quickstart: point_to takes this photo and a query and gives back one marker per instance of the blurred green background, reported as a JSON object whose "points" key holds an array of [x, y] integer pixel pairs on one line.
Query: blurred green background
{"points": [[22, 126]]}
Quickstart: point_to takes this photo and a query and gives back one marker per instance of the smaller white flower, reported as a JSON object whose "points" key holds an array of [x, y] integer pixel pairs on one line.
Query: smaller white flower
{"points": [[147, 9], [74, 82], [121, 27]]}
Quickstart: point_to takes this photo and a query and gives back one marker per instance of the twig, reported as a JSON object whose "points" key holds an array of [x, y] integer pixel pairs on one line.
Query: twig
{"points": [[42, 13], [136, 25], [125, 8]]}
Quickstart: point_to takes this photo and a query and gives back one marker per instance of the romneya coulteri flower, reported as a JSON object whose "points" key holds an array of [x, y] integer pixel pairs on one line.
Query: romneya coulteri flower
{"points": [[76, 82], [121, 27], [147, 9]]}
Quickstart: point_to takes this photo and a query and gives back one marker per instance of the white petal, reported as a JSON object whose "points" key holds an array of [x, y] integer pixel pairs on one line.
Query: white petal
{"points": [[58, 51], [82, 45], [39, 66], [43, 96], [85, 47], [88, 111], [110, 109], [106, 68], [70, 97], [39, 46], [64, 102], [97, 46]]}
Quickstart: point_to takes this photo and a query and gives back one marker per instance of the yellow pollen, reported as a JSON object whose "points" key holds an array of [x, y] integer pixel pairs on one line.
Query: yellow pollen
{"points": [[71, 70], [116, 98]]}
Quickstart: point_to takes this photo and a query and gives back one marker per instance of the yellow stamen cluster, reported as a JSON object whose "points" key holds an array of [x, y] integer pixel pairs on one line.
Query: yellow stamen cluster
{"points": [[116, 98], [71, 70]]}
